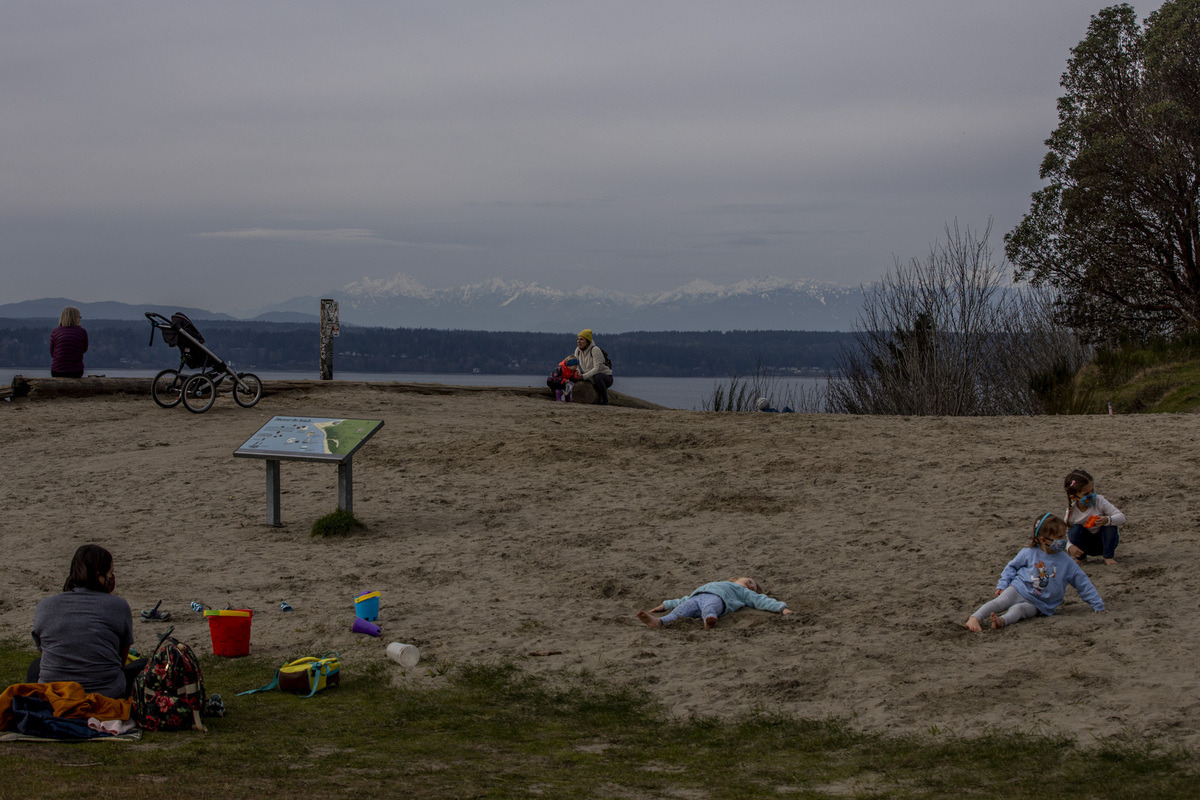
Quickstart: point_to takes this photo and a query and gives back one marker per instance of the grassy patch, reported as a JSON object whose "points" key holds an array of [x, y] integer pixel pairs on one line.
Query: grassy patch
{"points": [[1157, 377], [1161, 388], [336, 523], [492, 731]]}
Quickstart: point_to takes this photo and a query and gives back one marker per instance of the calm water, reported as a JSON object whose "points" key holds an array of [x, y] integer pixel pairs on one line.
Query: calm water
{"points": [[685, 393]]}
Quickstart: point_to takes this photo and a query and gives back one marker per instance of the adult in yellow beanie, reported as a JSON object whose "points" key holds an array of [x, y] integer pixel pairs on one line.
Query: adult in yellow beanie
{"points": [[593, 364]]}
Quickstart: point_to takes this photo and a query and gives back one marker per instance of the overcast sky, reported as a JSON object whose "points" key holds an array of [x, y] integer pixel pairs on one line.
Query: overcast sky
{"points": [[232, 154]]}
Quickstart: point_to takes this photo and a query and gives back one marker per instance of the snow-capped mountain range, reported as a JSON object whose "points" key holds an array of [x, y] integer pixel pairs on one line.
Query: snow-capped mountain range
{"points": [[503, 305]]}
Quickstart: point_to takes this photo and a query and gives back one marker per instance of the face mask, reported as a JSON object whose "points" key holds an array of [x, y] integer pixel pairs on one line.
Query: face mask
{"points": [[1058, 545], [1086, 500]]}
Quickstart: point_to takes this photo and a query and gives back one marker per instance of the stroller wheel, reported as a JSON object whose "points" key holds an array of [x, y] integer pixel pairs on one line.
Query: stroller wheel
{"points": [[199, 393], [247, 389], [167, 388]]}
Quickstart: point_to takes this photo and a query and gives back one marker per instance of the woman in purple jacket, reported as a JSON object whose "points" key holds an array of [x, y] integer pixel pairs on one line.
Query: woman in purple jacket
{"points": [[68, 343]]}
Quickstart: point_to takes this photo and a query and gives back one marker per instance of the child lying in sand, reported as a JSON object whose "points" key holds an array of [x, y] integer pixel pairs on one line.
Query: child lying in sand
{"points": [[714, 600], [1035, 582]]}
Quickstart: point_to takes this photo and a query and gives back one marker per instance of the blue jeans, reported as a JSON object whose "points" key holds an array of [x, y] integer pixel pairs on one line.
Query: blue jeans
{"points": [[1100, 542]]}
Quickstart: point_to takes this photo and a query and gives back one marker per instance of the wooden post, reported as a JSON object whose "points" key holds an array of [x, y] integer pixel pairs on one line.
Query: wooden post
{"points": [[329, 329]]}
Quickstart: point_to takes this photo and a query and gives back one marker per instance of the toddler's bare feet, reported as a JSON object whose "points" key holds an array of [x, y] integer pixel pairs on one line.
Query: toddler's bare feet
{"points": [[972, 624], [997, 622], [645, 617], [710, 623], [1110, 561]]}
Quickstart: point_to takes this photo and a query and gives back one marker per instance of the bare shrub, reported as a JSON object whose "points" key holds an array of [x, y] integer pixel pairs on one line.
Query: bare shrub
{"points": [[950, 335]]}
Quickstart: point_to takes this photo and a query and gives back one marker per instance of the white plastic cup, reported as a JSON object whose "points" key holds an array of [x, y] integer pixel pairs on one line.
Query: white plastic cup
{"points": [[406, 655]]}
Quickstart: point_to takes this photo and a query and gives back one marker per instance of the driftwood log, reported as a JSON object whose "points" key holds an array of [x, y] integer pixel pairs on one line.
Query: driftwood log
{"points": [[49, 388], [44, 388]]}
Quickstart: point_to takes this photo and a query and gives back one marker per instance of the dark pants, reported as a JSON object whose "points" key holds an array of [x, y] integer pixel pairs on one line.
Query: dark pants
{"points": [[131, 670], [1100, 542], [601, 382], [56, 374]]}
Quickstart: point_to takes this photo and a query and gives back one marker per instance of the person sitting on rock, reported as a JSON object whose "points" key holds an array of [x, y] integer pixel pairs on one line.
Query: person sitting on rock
{"points": [[594, 365]]}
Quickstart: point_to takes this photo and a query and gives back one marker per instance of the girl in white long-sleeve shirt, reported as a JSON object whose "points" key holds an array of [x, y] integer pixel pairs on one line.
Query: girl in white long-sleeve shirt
{"points": [[1093, 523]]}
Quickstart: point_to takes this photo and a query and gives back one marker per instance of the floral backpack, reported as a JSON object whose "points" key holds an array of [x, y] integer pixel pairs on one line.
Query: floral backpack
{"points": [[169, 693]]}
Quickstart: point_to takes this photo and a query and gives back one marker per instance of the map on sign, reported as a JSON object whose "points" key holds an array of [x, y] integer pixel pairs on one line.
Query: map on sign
{"points": [[307, 438]]}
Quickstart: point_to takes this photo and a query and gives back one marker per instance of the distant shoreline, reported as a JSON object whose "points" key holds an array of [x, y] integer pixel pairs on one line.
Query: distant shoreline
{"points": [[676, 393], [265, 346]]}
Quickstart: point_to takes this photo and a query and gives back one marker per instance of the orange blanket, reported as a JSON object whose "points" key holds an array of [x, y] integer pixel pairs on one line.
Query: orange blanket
{"points": [[67, 698]]}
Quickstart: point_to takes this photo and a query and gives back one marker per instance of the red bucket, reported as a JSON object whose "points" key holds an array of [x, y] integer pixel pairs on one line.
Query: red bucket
{"points": [[230, 631]]}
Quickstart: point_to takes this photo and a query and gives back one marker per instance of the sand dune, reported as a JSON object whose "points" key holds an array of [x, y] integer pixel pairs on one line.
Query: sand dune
{"points": [[508, 527]]}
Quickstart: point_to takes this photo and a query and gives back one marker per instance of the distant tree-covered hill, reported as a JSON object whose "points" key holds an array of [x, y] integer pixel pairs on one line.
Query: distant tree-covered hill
{"points": [[295, 346]]}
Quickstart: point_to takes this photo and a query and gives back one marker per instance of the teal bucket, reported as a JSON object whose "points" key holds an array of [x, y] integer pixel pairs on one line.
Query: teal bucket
{"points": [[366, 606]]}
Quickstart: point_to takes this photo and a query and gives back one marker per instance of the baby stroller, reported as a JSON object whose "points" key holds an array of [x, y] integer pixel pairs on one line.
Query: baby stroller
{"points": [[198, 390]]}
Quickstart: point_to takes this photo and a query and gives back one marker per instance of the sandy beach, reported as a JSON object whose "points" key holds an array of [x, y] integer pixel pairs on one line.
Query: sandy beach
{"points": [[508, 527]]}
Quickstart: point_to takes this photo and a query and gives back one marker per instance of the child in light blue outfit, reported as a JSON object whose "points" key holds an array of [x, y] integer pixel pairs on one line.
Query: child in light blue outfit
{"points": [[1035, 582], [714, 600]]}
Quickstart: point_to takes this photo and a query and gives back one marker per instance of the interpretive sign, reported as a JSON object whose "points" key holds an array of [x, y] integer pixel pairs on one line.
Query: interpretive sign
{"points": [[309, 439]]}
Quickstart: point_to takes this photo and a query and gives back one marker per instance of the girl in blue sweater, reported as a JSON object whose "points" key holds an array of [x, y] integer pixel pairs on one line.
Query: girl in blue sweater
{"points": [[713, 600], [1035, 582]]}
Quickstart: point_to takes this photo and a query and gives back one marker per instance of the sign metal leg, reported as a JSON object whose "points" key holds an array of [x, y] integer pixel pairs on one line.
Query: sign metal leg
{"points": [[273, 492], [346, 486]]}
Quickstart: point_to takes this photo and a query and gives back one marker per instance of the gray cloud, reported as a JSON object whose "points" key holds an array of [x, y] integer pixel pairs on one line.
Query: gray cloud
{"points": [[622, 144], [333, 236], [352, 236]]}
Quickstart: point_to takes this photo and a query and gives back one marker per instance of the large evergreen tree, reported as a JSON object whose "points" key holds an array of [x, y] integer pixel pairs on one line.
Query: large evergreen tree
{"points": [[1116, 229]]}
